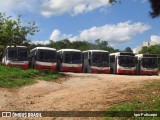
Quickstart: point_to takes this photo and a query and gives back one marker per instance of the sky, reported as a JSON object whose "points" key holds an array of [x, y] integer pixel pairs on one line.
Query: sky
{"points": [[125, 24]]}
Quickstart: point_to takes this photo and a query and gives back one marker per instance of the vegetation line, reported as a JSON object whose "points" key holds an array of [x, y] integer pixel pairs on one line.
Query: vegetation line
{"points": [[13, 76]]}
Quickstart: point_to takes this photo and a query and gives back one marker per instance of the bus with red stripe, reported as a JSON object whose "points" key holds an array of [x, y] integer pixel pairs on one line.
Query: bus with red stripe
{"points": [[16, 56], [123, 63], [69, 60], [147, 64], [96, 61], [43, 58]]}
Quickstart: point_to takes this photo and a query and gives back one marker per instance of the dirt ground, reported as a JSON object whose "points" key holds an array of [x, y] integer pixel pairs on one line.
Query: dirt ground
{"points": [[77, 92]]}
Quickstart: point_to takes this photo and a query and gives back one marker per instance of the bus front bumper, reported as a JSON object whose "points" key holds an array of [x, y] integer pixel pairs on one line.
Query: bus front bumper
{"points": [[44, 67], [142, 72], [100, 71], [133, 72], [71, 69]]}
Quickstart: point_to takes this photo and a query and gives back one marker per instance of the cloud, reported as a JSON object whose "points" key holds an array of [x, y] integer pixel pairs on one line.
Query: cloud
{"points": [[41, 42], [73, 7], [115, 34], [57, 36], [155, 39], [12, 6]]}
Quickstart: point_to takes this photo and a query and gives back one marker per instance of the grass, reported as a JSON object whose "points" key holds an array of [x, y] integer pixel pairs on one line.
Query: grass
{"points": [[148, 99], [13, 76]]}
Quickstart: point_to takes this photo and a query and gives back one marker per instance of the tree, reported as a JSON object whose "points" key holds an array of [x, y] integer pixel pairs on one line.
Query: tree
{"points": [[155, 7], [128, 49], [144, 50], [12, 32]]}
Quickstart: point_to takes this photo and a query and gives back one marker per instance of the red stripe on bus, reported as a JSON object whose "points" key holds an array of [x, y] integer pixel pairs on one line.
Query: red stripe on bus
{"points": [[126, 71], [42, 67], [142, 72], [99, 71], [72, 69]]}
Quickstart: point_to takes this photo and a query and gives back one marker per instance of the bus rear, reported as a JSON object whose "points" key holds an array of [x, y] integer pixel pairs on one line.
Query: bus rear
{"points": [[16, 56], [147, 64]]}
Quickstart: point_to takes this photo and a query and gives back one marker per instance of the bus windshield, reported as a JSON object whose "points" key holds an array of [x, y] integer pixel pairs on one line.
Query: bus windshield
{"points": [[149, 62], [17, 54], [100, 59], [46, 56], [127, 61], [72, 57]]}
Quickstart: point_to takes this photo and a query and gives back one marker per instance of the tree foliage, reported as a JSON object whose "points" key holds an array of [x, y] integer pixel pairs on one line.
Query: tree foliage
{"points": [[81, 45], [154, 49], [12, 32], [128, 49], [155, 7]]}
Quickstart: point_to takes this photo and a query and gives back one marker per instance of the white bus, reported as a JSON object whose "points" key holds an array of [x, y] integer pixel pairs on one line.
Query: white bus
{"points": [[123, 63], [43, 58], [16, 56], [147, 64], [96, 61], [69, 60]]}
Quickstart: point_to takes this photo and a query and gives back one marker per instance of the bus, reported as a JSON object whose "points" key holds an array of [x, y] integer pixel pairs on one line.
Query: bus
{"points": [[69, 60], [16, 56], [123, 63], [43, 58], [96, 61], [147, 64]]}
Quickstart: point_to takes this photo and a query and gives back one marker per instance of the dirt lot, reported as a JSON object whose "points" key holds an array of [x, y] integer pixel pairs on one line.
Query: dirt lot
{"points": [[78, 91]]}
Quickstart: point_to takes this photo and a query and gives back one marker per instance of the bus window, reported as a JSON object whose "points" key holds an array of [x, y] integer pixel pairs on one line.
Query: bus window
{"points": [[46, 55], [72, 57]]}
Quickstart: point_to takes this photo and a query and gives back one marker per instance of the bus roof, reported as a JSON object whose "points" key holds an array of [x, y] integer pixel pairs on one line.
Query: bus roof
{"points": [[147, 55], [95, 51], [43, 48], [16, 46], [122, 53], [75, 50]]}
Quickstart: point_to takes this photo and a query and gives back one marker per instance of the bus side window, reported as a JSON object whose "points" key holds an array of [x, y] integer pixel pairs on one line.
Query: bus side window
{"points": [[90, 57], [85, 55], [136, 60], [61, 56], [112, 58]]}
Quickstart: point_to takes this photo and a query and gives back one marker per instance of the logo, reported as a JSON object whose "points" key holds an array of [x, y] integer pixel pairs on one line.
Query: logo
{"points": [[6, 114]]}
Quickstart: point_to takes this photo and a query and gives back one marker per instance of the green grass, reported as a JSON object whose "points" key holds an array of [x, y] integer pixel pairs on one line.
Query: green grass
{"points": [[146, 100], [13, 76]]}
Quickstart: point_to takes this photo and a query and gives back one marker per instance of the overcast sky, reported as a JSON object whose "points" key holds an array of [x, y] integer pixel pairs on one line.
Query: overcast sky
{"points": [[122, 25]]}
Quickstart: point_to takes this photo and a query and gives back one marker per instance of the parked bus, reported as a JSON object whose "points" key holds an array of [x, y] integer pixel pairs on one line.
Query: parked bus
{"points": [[123, 63], [96, 61], [16, 56], [69, 60], [147, 64], [43, 58]]}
